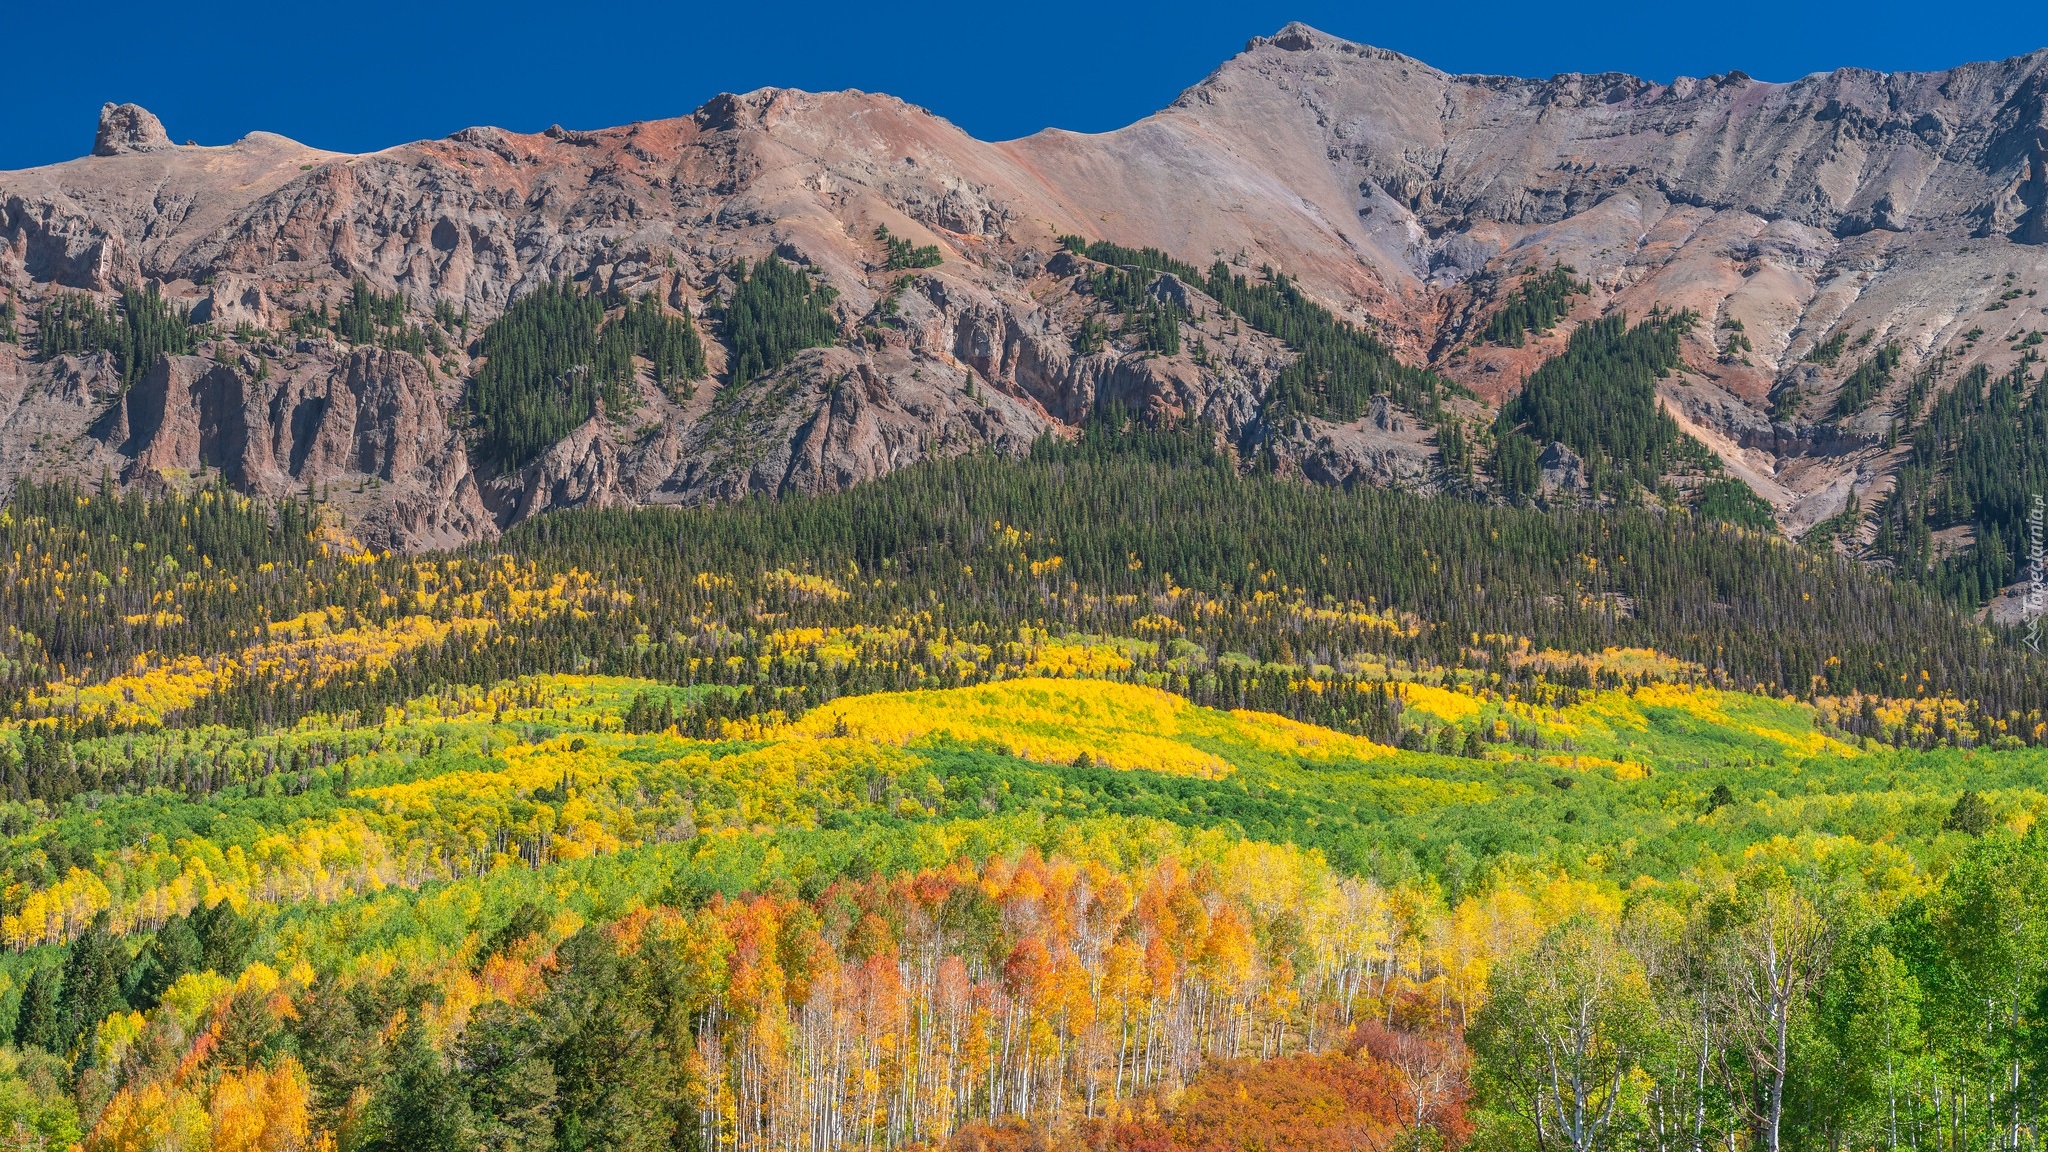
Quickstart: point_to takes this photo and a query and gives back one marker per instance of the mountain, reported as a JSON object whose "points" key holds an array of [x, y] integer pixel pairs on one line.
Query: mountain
{"points": [[1265, 625], [1810, 226]]}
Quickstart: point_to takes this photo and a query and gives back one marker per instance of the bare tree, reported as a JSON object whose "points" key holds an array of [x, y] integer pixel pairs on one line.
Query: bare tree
{"points": [[1771, 944]]}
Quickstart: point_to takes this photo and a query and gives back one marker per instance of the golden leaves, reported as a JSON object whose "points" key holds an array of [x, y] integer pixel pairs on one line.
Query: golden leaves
{"points": [[806, 586], [318, 645]]}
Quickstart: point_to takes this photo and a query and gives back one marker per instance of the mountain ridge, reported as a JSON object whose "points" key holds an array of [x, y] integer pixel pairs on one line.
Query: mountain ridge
{"points": [[1407, 200]]}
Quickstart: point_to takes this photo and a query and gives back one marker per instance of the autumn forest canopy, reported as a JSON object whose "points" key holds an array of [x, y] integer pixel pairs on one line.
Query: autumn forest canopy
{"points": [[1371, 610], [970, 809]]}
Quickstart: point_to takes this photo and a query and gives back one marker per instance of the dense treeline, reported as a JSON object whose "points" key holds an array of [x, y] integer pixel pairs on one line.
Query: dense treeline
{"points": [[1555, 577], [1146, 259], [143, 547], [1732, 501], [552, 359], [140, 328], [775, 312], [1537, 304], [1599, 398], [1979, 459], [1338, 368], [669, 344], [1151, 320], [540, 379], [1747, 610], [1868, 379]]}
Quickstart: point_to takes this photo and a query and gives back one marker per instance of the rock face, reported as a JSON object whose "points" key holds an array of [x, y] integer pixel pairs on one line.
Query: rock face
{"points": [[1913, 207], [276, 422], [128, 128], [1561, 470]]}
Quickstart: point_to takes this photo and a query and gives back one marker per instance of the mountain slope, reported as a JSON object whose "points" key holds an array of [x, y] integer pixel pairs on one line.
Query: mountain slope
{"points": [[1910, 207]]}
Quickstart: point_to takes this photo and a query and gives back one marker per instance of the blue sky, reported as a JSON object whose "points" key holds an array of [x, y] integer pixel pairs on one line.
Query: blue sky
{"points": [[369, 73]]}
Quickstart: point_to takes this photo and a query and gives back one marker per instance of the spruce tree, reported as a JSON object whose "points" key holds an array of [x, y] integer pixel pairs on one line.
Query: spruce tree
{"points": [[38, 1021], [92, 983]]}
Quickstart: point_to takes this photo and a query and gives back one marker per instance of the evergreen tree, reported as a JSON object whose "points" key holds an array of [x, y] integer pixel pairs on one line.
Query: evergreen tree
{"points": [[1733, 502], [91, 986], [175, 950], [1599, 398], [670, 344], [551, 360], [420, 1105], [1537, 304], [1867, 380], [1971, 816], [1515, 467], [225, 938], [538, 380], [141, 328], [1830, 350], [370, 317], [39, 1021], [901, 253], [1979, 459], [507, 1080], [620, 1083], [1339, 367], [775, 312]]}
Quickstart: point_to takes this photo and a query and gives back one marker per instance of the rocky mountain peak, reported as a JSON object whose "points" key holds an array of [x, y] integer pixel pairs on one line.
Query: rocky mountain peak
{"points": [[1300, 37], [128, 128], [1808, 224], [1296, 37]]}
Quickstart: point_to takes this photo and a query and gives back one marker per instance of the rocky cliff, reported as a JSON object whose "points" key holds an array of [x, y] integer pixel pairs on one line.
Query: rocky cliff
{"points": [[1913, 207]]}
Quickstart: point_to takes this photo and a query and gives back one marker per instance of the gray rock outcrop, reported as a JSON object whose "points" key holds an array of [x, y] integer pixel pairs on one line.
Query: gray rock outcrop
{"points": [[1561, 470], [128, 128]]}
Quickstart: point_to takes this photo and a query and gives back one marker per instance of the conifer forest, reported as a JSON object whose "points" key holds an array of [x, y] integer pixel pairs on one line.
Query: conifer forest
{"points": [[1125, 793]]}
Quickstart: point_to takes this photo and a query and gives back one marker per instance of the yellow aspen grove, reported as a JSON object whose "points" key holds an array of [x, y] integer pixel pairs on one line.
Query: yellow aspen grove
{"points": [[1237, 813]]}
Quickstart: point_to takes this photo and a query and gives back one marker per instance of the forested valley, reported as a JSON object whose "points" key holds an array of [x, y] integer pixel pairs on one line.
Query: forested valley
{"points": [[968, 809], [1128, 795]]}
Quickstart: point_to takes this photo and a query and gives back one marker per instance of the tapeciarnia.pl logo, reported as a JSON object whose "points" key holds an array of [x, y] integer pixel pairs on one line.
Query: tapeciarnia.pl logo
{"points": [[2037, 578]]}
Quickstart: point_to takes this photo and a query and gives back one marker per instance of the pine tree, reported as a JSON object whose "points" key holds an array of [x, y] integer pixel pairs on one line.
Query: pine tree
{"points": [[1537, 304], [1971, 816], [174, 951], [1599, 398], [551, 360], [141, 328], [776, 311], [39, 1022], [91, 986]]}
